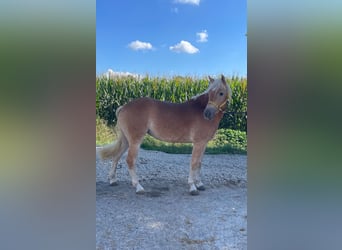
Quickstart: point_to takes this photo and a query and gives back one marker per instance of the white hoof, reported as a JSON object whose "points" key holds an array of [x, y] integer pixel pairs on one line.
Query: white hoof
{"points": [[193, 190], [113, 182], [200, 186], [139, 189]]}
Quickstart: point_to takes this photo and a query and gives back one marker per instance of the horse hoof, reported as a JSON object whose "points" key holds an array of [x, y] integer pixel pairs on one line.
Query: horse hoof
{"points": [[139, 189], [140, 192], [201, 188], [113, 183], [194, 192]]}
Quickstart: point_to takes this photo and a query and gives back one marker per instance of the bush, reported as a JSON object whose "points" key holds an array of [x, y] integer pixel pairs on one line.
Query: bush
{"points": [[236, 139], [114, 92]]}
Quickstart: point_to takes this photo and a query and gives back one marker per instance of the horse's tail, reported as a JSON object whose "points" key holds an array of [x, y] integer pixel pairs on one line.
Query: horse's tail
{"points": [[112, 149]]}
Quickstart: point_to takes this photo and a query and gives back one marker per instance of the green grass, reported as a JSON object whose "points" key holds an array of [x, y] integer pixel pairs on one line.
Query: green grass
{"points": [[226, 141], [104, 133]]}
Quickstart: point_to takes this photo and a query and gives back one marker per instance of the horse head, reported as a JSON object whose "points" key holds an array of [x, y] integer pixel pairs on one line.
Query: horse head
{"points": [[219, 93]]}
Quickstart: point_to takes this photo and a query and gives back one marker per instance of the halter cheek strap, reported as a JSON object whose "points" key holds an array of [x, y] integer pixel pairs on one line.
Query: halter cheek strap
{"points": [[219, 107]]}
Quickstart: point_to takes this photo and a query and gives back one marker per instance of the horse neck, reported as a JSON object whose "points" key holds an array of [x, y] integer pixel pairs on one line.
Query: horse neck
{"points": [[201, 100]]}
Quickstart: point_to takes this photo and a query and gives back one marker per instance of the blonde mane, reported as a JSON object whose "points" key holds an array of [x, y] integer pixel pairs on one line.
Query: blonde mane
{"points": [[213, 86]]}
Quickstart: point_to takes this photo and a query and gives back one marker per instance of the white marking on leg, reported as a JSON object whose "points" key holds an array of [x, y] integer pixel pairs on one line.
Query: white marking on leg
{"points": [[139, 189], [134, 177], [191, 177], [197, 174], [199, 184], [112, 175], [135, 182], [193, 188]]}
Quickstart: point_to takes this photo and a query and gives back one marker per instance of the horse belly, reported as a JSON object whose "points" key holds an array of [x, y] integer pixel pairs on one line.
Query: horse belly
{"points": [[169, 131]]}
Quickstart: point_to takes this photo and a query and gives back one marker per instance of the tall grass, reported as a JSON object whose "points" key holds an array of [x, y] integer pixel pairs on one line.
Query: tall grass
{"points": [[114, 92]]}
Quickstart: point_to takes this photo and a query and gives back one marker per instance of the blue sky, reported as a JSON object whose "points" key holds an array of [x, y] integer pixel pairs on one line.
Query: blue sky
{"points": [[172, 37]]}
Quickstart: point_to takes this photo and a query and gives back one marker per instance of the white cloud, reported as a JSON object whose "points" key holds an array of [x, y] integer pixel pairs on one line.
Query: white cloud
{"points": [[194, 2], [202, 36], [184, 46], [138, 45], [112, 74]]}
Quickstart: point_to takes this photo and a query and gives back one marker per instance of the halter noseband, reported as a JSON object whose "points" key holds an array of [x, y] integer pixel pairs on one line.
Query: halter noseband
{"points": [[219, 107]]}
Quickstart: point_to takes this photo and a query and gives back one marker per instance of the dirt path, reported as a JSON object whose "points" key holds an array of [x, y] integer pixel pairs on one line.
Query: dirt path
{"points": [[166, 216]]}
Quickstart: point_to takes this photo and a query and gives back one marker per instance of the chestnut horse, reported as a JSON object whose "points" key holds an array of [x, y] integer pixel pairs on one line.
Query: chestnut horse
{"points": [[195, 121]]}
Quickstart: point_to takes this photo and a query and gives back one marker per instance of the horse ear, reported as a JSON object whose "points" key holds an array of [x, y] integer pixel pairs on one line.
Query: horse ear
{"points": [[223, 79], [211, 80]]}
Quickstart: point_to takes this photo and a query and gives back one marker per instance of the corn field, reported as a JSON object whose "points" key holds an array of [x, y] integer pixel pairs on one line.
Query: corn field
{"points": [[114, 92]]}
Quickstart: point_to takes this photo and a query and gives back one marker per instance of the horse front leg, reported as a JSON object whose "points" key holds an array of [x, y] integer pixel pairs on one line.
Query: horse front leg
{"points": [[199, 184], [131, 159], [194, 179]]}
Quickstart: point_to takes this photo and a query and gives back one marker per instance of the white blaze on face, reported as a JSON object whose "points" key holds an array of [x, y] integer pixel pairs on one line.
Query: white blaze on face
{"points": [[216, 85]]}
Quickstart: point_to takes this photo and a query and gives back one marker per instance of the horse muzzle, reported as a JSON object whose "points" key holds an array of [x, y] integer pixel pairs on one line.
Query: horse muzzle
{"points": [[209, 113]]}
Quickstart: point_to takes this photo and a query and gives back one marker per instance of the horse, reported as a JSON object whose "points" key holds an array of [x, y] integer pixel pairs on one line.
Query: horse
{"points": [[193, 121]]}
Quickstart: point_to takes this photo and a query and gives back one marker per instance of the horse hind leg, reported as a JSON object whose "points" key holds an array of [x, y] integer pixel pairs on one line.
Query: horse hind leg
{"points": [[114, 151], [116, 157], [131, 160], [194, 179]]}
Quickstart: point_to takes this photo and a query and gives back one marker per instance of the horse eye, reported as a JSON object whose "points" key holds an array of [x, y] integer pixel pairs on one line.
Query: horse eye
{"points": [[221, 94]]}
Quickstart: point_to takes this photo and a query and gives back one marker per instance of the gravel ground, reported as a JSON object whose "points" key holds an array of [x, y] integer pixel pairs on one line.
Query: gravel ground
{"points": [[166, 216]]}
